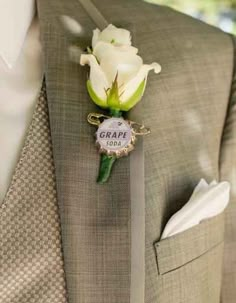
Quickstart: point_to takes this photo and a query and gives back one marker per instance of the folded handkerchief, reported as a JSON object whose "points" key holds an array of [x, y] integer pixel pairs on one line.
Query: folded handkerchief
{"points": [[207, 200]]}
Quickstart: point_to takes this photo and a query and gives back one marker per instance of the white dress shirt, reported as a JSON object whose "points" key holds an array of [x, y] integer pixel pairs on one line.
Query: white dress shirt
{"points": [[21, 76]]}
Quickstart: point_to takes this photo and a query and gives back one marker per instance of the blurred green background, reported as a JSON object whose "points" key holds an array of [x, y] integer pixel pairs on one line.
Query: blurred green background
{"points": [[221, 13]]}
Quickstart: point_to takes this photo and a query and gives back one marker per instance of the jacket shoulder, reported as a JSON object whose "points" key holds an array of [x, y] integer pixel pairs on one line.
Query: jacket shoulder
{"points": [[148, 16]]}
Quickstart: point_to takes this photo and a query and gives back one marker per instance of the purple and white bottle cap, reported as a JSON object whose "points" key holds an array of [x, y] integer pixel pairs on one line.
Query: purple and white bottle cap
{"points": [[114, 137]]}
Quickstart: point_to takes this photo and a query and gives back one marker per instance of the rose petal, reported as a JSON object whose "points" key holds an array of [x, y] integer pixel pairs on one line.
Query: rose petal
{"points": [[125, 65], [102, 49], [131, 86], [112, 34], [97, 76], [96, 33]]}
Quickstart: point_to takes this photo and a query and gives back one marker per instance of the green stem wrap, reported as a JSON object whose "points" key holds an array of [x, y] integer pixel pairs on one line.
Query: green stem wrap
{"points": [[106, 162]]}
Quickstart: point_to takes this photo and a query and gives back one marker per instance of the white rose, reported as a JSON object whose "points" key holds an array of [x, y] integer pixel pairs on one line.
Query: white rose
{"points": [[117, 76], [111, 34]]}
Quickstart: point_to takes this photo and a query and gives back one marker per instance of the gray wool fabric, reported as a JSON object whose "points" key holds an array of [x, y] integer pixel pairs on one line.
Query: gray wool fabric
{"points": [[190, 107], [31, 262]]}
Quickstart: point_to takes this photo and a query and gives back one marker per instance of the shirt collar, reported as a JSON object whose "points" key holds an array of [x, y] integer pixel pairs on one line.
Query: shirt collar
{"points": [[15, 20]]}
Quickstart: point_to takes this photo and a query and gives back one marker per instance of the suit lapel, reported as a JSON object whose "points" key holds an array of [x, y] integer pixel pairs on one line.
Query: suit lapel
{"points": [[95, 219]]}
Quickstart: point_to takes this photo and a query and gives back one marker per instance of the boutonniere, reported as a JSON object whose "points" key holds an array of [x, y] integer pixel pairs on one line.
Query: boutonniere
{"points": [[116, 83]]}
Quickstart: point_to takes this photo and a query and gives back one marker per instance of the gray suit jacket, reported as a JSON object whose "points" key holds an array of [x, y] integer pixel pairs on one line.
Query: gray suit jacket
{"points": [[191, 108]]}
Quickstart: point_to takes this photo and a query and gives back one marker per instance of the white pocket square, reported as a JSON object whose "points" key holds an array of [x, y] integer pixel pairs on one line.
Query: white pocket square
{"points": [[207, 200]]}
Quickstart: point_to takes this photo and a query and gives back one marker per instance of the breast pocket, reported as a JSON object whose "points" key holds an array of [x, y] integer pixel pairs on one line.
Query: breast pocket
{"points": [[189, 264]]}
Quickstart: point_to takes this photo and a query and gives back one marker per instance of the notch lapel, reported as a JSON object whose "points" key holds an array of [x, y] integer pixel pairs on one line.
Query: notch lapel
{"points": [[95, 219]]}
